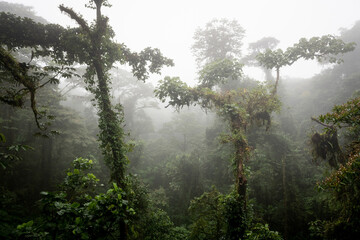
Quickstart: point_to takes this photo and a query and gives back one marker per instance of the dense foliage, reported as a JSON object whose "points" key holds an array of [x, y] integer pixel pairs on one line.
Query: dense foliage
{"points": [[88, 152], [343, 183]]}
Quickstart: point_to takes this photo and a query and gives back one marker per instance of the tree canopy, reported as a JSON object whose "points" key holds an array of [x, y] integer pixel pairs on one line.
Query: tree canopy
{"points": [[220, 39], [105, 159]]}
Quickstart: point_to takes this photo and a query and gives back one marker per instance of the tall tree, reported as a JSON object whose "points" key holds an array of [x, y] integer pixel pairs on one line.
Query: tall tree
{"points": [[322, 49], [220, 39], [243, 107], [258, 47], [92, 45], [238, 108], [102, 53]]}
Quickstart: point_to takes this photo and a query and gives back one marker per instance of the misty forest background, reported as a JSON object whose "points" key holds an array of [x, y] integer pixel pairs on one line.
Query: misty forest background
{"points": [[179, 180]]}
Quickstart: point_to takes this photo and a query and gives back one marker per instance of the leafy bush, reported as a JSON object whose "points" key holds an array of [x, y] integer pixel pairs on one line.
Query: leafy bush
{"points": [[261, 232]]}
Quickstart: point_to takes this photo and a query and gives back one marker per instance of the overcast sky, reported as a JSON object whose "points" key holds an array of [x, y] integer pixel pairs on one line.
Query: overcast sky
{"points": [[170, 24]]}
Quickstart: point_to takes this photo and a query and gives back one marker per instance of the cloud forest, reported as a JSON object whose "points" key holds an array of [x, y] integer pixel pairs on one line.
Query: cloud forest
{"points": [[92, 148]]}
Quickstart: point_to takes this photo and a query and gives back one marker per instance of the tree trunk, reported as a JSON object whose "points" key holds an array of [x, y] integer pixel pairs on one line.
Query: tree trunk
{"points": [[237, 215], [46, 164], [276, 81], [286, 227], [241, 181], [111, 134]]}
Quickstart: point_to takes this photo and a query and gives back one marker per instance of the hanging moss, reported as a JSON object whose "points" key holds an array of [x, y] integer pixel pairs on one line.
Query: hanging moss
{"points": [[326, 146]]}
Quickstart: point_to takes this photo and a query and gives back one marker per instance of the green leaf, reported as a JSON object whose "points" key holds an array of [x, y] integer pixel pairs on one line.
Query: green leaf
{"points": [[2, 138], [75, 205], [25, 225], [77, 220]]}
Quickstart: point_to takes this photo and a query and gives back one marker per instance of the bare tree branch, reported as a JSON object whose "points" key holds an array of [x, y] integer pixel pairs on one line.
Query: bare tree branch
{"points": [[323, 124]]}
